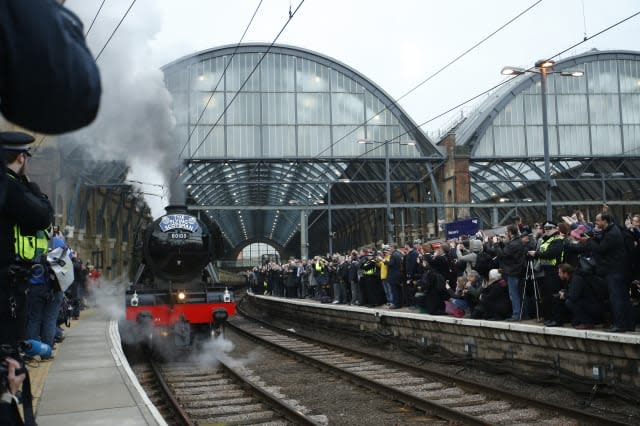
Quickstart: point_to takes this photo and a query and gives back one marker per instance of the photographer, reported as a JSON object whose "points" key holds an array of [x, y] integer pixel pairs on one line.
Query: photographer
{"points": [[511, 258], [11, 378]]}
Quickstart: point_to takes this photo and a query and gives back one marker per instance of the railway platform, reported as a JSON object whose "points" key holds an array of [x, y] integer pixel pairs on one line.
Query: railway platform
{"points": [[89, 381], [593, 355]]}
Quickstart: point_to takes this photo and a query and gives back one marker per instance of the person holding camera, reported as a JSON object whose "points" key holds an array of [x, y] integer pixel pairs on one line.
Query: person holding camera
{"points": [[28, 212], [511, 258], [11, 378]]}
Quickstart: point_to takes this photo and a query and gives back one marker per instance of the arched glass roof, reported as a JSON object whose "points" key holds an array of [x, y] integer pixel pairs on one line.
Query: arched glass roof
{"points": [[594, 133], [277, 129]]}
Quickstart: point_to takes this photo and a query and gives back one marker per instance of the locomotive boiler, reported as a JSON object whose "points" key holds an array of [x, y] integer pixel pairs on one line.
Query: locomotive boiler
{"points": [[175, 296]]}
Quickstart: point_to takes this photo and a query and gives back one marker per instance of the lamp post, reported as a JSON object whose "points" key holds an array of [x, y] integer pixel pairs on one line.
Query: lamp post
{"points": [[329, 220], [544, 67]]}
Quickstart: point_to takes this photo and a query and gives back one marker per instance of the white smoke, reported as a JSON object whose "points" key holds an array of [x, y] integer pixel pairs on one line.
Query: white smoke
{"points": [[135, 120]]}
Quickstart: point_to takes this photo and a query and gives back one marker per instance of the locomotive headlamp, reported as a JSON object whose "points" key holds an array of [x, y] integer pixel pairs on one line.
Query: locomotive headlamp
{"points": [[134, 299], [182, 295]]}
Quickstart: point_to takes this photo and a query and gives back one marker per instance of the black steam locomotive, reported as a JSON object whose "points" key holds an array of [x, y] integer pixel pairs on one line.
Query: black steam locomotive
{"points": [[175, 294]]}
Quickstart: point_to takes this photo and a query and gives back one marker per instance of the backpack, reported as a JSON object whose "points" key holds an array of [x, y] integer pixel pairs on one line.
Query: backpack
{"points": [[484, 263]]}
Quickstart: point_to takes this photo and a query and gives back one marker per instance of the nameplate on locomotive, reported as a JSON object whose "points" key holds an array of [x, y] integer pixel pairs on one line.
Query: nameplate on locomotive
{"points": [[178, 221]]}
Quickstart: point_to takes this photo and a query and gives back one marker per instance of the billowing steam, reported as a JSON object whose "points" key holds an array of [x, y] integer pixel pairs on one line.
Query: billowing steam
{"points": [[135, 121]]}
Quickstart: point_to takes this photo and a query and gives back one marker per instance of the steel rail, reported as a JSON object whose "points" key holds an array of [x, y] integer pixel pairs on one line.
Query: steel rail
{"points": [[280, 406], [182, 414], [460, 382], [416, 402]]}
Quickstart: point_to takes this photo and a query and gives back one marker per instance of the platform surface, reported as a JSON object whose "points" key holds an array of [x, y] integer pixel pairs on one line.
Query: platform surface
{"points": [[90, 382]]}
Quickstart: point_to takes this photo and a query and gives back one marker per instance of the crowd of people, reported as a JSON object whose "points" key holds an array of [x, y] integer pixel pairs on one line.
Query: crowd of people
{"points": [[571, 272], [50, 84]]}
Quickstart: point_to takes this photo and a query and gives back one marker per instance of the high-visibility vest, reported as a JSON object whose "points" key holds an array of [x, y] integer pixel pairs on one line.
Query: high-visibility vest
{"points": [[28, 247], [384, 268], [372, 269], [544, 246]]}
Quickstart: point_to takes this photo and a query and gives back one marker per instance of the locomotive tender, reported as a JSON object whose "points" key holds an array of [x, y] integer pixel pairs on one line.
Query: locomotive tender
{"points": [[175, 295]]}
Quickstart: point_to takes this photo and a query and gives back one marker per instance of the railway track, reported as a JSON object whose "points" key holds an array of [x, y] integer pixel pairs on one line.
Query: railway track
{"points": [[432, 392], [190, 393]]}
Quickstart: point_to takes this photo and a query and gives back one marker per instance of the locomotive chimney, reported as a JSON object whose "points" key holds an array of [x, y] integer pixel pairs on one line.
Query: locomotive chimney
{"points": [[176, 208]]}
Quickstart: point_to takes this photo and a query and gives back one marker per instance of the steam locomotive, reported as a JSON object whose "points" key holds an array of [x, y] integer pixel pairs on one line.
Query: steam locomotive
{"points": [[175, 296]]}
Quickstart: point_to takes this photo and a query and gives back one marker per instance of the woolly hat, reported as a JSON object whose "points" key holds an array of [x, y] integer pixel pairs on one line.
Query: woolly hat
{"points": [[494, 275], [475, 246]]}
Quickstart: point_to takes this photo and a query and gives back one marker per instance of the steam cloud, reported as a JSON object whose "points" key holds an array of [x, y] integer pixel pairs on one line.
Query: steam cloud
{"points": [[135, 122]]}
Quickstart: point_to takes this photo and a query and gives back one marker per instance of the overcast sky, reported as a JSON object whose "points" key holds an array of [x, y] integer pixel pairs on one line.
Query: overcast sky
{"points": [[397, 44]]}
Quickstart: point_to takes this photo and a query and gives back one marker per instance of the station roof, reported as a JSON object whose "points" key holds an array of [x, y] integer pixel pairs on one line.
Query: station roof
{"points": [[258, 153], [594, 135]]}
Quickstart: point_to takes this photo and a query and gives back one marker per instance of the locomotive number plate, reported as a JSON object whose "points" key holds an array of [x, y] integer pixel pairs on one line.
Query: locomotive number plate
{"points": [[179, 236]]}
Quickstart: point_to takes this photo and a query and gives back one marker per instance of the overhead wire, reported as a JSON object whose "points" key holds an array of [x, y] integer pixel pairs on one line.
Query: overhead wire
{"points": [[244, 83], [413, 128], [213, 91], [394, 103], [35, 149], [115, 30], [94, 18]]}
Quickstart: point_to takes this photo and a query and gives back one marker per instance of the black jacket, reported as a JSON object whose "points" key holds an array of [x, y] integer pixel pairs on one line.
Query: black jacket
{"points": [[394, 267], [27, 207], [608, 251], [434, 293], [411, 262], [440, 264], [494, 301], [9, 414], [49, 81], [511, 256]]}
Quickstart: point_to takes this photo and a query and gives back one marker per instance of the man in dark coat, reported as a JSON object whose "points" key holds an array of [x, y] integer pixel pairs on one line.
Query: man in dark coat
{"points": [[394, 276], [511, 258], [31, 211], [607, 247], [582, 300], [432, 292]]}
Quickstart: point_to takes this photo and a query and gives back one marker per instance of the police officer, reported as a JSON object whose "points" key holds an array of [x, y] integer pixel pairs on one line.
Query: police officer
{"points": [[25, 211]]}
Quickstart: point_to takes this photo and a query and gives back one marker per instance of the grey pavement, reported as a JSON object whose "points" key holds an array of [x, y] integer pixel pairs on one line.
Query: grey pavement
{"points": [[90, 383]]}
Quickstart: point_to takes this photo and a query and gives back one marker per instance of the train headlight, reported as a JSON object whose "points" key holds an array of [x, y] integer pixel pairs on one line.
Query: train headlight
{"points": [[181, 296], [134, 299]]}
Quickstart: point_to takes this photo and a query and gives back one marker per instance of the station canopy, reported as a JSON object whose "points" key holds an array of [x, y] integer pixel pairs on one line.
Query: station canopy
{"points": [[266, 132]]}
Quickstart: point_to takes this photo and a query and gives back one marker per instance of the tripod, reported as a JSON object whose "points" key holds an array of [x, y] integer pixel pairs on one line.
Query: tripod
{"points": [[530, 278]]}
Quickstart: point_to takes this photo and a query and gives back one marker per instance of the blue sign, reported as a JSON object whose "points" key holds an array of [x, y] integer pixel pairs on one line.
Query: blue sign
{"points": [[462, 227], [178, 221]]}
